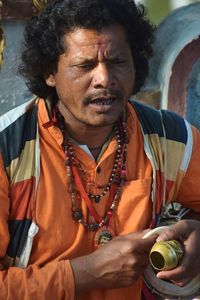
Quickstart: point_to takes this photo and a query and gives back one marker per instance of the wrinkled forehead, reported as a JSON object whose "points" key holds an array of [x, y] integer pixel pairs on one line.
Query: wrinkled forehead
{"points": [[107, 39]]}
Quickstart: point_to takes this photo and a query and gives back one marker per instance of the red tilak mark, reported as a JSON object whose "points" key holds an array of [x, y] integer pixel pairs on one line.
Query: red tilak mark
{"points": [[101, 44]]}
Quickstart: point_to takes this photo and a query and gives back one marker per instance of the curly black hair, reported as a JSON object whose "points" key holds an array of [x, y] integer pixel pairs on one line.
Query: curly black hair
{"points": [[43, 35]]}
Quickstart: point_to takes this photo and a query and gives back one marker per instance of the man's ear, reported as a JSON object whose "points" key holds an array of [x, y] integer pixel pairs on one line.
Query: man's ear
{"points": [[50, 80]]}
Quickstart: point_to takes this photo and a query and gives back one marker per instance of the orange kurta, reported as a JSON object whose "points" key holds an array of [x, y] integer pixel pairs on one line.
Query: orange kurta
{"points": [[60, 238]]}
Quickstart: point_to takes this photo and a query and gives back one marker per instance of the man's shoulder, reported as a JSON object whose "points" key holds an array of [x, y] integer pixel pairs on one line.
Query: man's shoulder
{"points": [[161, 122], [20, 112], [153, 113], [17, 127]]}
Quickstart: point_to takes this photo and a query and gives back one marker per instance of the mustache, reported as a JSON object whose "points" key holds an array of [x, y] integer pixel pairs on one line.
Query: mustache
{"points": [[111, 93]]}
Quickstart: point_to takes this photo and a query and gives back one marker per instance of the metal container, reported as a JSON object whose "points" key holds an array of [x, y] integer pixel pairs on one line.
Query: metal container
{"points": [[166, 255]]}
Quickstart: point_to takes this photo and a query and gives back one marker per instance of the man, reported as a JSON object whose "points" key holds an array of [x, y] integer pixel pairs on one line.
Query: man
{"points": [[81, 165]]}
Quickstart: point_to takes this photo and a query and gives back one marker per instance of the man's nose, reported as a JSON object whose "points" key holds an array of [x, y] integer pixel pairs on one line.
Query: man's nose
{"points": [[102, 76]]}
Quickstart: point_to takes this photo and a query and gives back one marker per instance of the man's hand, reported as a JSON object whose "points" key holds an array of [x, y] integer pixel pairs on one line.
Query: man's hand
{"points": [[116, 264], [188, 232]]}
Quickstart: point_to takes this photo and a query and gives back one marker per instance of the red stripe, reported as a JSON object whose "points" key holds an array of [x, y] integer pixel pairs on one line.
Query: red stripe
{"points": [[160, 190], [22, 199]]}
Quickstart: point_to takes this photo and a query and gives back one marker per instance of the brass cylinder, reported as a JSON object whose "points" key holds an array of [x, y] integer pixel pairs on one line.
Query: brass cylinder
{"points": [[166, 255]]}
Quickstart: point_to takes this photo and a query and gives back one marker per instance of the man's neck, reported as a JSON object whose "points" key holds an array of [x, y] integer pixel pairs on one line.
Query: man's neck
{"points": [[83, 134]]}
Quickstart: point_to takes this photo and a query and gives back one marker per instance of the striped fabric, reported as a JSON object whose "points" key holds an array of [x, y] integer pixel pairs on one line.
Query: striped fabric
{"points": [[18, 136], [167, 143]]}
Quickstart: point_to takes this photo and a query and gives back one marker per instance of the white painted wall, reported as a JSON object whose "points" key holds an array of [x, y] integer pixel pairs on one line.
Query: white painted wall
{"points": [[177, 3]]}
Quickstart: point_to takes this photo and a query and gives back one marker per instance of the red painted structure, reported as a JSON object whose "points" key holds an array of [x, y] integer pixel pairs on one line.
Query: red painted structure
{"points": [[182, 67]]}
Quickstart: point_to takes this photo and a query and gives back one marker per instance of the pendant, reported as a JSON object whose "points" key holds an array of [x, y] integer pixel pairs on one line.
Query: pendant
{"points": [[103, 236]]}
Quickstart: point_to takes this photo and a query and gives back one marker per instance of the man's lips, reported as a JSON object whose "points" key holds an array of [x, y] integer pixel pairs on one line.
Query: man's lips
{"points": [[103, 100]]}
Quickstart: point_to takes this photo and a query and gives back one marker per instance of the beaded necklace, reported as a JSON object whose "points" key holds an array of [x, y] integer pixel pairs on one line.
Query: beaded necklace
{"points": [[78, 191]]}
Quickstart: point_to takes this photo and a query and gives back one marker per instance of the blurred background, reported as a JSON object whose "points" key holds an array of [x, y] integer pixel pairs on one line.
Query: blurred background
{"points": [[159, 9]]}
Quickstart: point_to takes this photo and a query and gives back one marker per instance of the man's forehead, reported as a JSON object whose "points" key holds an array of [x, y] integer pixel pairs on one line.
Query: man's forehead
{"points": [[87, 44], [86, 37]]}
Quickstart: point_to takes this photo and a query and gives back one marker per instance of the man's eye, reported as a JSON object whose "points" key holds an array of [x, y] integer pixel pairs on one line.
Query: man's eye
{"points": [[86, 66]]}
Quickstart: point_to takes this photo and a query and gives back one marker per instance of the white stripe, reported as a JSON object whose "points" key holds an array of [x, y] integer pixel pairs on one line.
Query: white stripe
{"points": [[37, 156], [11, 116], [147, 150], [26, 251], [165, 162], [188, 148]]}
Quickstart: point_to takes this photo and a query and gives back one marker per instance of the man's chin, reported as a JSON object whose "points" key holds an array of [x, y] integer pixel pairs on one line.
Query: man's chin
{"points": [[102, 121]]}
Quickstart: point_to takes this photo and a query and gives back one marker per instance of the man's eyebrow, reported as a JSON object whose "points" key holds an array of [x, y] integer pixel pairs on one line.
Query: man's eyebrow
{"points": [[111, 57], [83, 60]]}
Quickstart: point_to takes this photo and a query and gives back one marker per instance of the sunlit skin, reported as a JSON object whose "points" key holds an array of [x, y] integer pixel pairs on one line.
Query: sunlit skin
{"points": [[94, 80]]}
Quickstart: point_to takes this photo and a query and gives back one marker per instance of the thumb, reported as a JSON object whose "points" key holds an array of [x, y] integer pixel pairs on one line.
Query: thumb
{"points": [[173, 232]]}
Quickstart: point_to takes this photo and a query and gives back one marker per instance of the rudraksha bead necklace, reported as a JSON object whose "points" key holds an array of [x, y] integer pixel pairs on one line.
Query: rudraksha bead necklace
{"points": [[76, 187]]}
